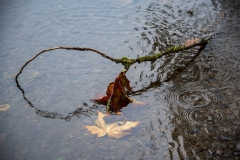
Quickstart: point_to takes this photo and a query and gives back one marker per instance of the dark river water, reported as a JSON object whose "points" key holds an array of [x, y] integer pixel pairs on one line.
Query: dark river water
{"points": [[193, 99]]}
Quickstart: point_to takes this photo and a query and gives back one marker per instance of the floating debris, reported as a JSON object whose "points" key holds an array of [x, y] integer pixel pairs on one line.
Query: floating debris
{"points": [[4, 107]]}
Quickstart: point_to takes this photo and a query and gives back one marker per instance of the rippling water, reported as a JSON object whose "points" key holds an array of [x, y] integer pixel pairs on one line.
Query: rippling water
{"points": [[193, 97]]}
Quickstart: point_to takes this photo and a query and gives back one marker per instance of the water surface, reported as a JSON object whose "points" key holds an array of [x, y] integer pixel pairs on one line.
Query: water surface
{"points": [[193, 99]]}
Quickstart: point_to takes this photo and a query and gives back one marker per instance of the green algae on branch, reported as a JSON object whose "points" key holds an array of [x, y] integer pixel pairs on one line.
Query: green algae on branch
{"points": [[126, 62]]}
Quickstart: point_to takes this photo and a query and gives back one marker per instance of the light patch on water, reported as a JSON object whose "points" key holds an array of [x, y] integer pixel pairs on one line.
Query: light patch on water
{"points": [[4, 107]]}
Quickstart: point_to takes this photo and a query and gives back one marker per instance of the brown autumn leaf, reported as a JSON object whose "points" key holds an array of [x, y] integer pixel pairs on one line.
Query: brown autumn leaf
{"points": [[190, 42], [116, 97], [114, 130]]}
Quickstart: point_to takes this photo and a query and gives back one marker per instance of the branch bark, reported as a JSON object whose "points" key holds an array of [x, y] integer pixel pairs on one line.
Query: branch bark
{"points": [[128, 62]]}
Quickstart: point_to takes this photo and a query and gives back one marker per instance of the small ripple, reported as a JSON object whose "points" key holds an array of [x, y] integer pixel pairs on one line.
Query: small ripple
{"points": [[232, 30], [204, 117], [192, 99], [196, 116], [198, 106]]}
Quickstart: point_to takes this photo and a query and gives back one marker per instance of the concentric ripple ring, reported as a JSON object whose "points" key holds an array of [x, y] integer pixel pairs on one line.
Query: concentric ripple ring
{"points": [[192, 99], [204, 117]]}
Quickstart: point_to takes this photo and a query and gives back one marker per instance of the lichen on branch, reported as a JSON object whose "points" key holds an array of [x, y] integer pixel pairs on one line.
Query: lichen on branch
{"points": [[126, 62]]}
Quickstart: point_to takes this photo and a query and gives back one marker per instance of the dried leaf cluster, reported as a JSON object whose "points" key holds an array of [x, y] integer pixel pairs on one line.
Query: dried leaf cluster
{"points": [[114, 130]]}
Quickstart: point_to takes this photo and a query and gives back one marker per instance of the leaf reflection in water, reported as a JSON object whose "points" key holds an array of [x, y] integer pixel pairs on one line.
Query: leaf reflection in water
{"points": [[114, 130]]}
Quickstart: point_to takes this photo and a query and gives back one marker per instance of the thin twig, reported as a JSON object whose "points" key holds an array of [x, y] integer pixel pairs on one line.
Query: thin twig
{"points": [[67, 48]]}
